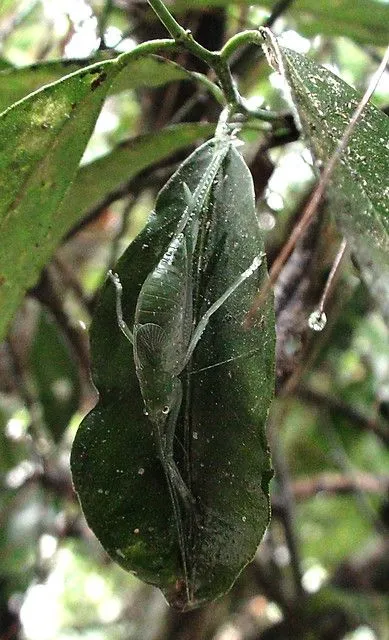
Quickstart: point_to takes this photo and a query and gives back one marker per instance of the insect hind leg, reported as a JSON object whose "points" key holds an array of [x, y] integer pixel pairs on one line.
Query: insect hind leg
{"points": [[184, 492], [167, 442]]}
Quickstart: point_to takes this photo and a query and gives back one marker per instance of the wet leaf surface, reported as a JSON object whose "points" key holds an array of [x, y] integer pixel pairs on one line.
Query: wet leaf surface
{"points": [[359, 192], [220, 444]]}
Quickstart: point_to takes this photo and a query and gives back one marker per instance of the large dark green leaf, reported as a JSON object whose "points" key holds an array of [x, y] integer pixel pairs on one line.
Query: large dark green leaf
{"points": [[359, 195], [55, 375], [365, 21], [227, 390], [95, 180], [150, 71]]}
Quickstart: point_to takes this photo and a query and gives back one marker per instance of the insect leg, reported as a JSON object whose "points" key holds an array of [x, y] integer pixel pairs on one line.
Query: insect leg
{"points": [[176, 511], [199, 330], [119, 311], [168, 451]]}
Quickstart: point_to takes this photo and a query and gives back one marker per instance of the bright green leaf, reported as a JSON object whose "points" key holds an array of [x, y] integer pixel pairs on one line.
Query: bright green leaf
{"points": [[220, 443], [150, 71], [42, 139]]}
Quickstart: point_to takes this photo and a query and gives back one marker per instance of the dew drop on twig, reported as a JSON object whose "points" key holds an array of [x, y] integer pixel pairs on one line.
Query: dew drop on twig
{"points": [[317, 320]]}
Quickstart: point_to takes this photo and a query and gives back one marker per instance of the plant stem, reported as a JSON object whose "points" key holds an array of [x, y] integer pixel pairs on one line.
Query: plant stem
{"points": [[216, 60], [181, 35], [240, 39], [147, 48], [211, 58]]}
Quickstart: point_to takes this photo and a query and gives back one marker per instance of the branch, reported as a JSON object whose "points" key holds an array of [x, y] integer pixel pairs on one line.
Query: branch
{"points": [[339, 483], [364, 422]]}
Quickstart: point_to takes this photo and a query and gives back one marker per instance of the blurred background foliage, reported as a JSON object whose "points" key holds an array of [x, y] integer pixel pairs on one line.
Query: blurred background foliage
{"points": [[322, 570]]}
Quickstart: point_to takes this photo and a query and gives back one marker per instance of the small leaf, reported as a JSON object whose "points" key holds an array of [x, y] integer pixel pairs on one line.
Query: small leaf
{"points": [[220, 444], [150, 71], [55, 376], [359, 194]]}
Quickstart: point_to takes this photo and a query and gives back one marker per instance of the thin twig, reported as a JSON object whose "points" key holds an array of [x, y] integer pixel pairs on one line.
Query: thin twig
{"points": [[279, 8], [250, 53], [46, 293], [339, 483], [332, 274], [102, 22], [150, 177]]}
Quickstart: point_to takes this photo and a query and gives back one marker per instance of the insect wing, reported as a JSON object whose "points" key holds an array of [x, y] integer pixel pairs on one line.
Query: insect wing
{"points": [[165, 300]]}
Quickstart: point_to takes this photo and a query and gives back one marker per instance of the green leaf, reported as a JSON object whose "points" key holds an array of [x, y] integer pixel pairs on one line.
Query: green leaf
{"points": [[55, 375], [228, 386], [150, 71], [365, 21], [42, 139], [106, 174], [359, 195]]}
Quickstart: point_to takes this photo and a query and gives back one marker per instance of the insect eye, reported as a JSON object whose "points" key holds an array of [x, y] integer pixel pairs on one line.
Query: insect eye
{"points": [[165, 410]]}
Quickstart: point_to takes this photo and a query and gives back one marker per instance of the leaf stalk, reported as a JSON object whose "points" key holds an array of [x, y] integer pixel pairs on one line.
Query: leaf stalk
{"points": [[216, 60]]}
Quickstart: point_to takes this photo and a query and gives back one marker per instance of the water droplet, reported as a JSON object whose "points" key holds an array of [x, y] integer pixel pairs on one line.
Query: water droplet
{"points": [[141, 471], [317, 320]]}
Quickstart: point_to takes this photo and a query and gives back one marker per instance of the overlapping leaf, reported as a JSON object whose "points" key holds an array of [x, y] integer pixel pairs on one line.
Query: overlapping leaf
{"points": [[359, 195], [42, 139], [220, 440], [150, 71], [106, 174]]}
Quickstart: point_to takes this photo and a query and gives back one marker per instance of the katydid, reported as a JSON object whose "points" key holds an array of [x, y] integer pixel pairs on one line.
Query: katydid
{"points": [[164, 339]]}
